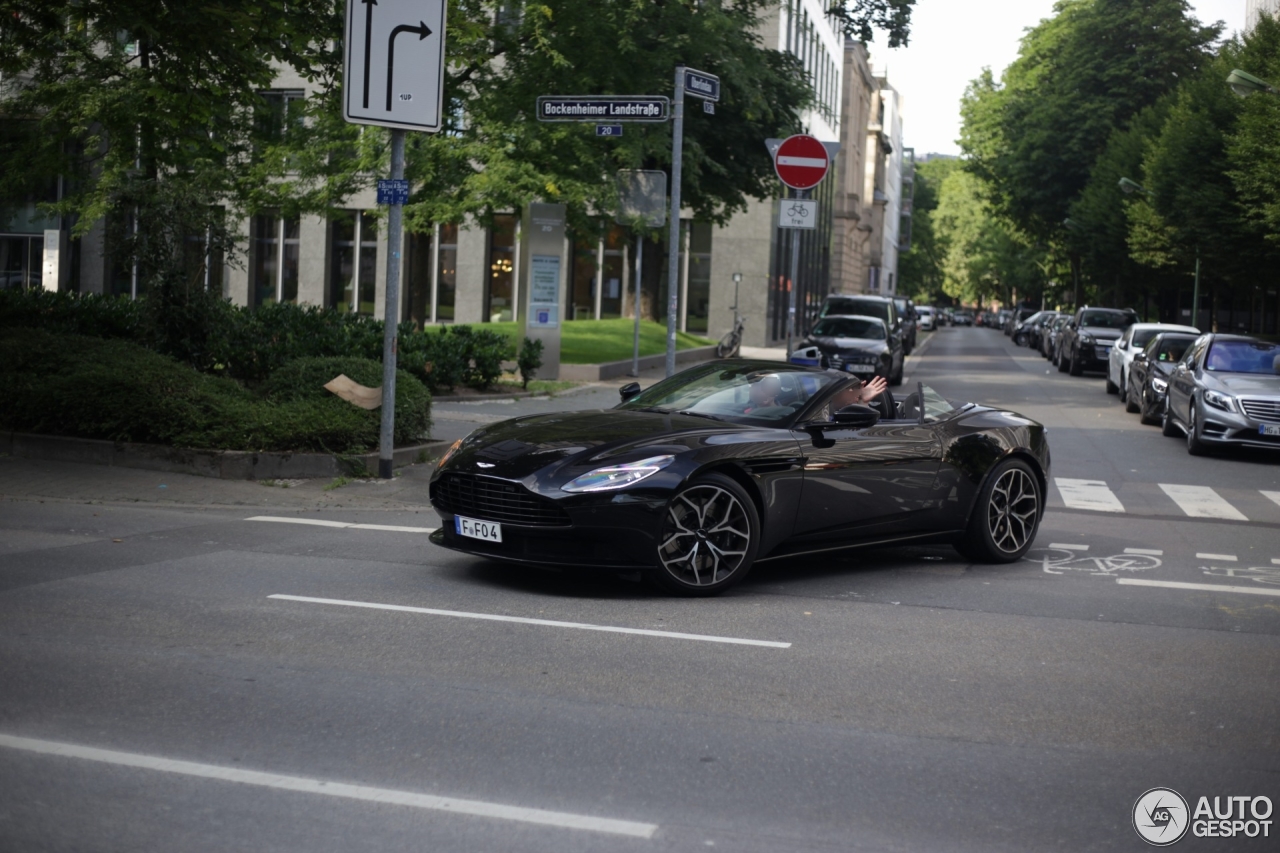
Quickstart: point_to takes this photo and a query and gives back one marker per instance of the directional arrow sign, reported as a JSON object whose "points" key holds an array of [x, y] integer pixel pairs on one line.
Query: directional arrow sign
{"points": [[801, 161], [405, 75]]}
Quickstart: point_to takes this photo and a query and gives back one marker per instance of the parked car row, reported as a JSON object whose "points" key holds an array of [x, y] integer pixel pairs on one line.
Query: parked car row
{"points": [[1209, 388]]}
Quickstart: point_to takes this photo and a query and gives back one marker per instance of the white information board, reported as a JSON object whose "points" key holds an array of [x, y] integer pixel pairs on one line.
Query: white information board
{"points": [[394, 63], [544, 291]]}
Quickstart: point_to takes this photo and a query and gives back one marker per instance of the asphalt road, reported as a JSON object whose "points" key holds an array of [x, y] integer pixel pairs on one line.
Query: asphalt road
{"points": [[154, 695]]}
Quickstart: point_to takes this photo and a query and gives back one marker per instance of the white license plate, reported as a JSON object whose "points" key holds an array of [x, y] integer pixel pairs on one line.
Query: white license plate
{"points": [[860, 368], [489, 531], [1269, 429]]}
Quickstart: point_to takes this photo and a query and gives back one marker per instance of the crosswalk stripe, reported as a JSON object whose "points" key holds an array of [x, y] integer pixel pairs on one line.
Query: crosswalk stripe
{"points": [[1274, 496], [1202, 502], [1088, 494]]}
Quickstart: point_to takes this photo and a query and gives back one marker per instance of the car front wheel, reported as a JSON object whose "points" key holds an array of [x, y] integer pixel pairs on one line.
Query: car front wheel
{"points": [[1195, 446], [1005, 517], [710, 533]]}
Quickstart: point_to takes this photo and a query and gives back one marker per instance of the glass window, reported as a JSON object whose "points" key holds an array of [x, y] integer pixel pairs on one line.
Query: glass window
{"points": [[743, 394], [1106, 319], [502, 258], [582, 285], [1170, 348], [273, 259], [417, 278], [447, 274], [1141, 336], [851, 327], [616, 257], [368, 262], [1244, 357], [342, 262], [699, 292]]}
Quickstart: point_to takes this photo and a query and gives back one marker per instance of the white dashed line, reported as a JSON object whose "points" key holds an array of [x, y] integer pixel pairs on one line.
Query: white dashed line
{"points": [[1064, 546], [1149, 552], [320, 522], [1202, 502], [1199, 587], [1088, 494], [299, 784], [1229, 558], [524, 620]]}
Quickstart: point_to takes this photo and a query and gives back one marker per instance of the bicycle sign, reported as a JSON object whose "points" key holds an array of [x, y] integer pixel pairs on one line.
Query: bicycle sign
{"points": [[1059, 561], [797, 213]]}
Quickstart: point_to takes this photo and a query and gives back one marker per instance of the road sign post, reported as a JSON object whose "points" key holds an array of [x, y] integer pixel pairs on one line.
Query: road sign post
{"points": [[412, 89], [801, 162], [643, 194], [700, 85]]}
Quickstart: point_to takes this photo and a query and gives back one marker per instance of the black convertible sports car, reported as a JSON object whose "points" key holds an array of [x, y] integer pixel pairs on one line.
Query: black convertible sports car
{"points": [[734, 462]]}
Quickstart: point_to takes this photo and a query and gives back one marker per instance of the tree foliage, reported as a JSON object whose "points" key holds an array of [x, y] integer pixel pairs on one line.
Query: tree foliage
{"points": [[921, 269]]}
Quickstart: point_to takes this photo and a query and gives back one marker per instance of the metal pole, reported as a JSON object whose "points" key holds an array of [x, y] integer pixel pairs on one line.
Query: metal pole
{"points": [[673, 242], [635, 353], [795, 274], [386, 446], [1195, 294]]}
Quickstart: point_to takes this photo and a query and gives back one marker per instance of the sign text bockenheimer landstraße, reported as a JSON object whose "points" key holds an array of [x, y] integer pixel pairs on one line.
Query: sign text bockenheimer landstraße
{"points": [[592, 109]]}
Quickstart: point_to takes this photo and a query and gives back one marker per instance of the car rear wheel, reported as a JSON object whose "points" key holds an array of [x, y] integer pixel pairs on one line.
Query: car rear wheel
{"points": [[710, 533], [1195, 446], [1006, 516], [1131, 405], [1167, 426], [1061, 362]]}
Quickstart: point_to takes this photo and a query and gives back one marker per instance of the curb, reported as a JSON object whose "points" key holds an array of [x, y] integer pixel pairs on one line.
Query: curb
{"points": [[222, 464]]}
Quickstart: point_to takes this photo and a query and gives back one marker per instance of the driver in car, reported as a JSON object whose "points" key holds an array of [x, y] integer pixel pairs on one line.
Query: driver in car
{"points": [[765, 390]]}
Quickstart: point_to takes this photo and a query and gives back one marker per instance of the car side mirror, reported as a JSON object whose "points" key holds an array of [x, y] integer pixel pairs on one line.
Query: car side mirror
{"points": [[631, 389], [856, 416]]}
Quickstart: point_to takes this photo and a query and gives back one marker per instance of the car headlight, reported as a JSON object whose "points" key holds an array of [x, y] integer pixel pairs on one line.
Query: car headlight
{"points": [[1086, 339], [453, 448], [1220, 401], [617, 476], [1159, 385]]}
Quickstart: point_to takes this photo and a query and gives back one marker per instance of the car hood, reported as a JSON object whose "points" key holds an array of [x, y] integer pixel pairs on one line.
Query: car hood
{"points": [[1102, 333], [845, 345], [1246, 384], [520, 447]]}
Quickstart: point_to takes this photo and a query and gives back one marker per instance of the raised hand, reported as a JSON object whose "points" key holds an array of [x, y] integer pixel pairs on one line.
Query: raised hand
{"points": [[873, 389]]}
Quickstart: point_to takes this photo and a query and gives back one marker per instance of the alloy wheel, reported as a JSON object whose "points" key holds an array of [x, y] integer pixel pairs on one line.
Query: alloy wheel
{"points": [[1012, 510], [705, 537]]}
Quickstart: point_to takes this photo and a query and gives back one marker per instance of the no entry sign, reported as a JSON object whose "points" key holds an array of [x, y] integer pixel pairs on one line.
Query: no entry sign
{"points": [[801, 162]]}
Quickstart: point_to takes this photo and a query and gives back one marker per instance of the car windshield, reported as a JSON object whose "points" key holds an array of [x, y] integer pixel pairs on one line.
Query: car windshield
{"points": [[850, 327], [908, 408], [1243, 357], [746, 393], [866, 307], [1106, 319], [1141, 336], [1172, 349]]}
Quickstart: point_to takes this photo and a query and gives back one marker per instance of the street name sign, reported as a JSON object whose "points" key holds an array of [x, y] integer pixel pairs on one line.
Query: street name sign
{"points": [[393, 191], [604, 108], [801, 162], [700, 84], [797, 213], [393, 72]]}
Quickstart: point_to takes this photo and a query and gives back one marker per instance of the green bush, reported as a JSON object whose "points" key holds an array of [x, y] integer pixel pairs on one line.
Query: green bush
{"points": [[529, 360], [116, 390]]}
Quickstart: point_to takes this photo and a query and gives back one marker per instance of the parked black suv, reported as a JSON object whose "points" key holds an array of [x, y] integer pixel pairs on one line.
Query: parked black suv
{"points": [[1085, 342]]}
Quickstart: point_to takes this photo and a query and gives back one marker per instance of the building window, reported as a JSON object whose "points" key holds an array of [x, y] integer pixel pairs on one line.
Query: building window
{"points": [[353, 252], [582, 283], [615, 277], [417, 278], [699, 286], [273, 259], [500, 305], [447, 273], [279, 114]]}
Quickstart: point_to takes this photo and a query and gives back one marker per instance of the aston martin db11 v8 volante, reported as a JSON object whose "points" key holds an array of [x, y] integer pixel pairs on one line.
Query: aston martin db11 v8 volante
{"points": [[735, 462]]}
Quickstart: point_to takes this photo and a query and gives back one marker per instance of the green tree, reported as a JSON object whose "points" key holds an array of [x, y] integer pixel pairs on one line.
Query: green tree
{"points": [[921, 269], [1253, 151]]}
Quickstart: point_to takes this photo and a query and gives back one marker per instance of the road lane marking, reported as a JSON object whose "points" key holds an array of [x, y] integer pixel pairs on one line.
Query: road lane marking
{"points": [[1088, 494], [1275, 561], [1202, 587], [1274, 496], [1230, 558], [1065, 547], [388, 796], [1148, 552], [320, 522], [524, 620], [1202, 502]]}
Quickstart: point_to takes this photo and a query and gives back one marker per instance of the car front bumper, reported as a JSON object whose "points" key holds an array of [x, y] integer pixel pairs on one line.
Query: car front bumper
{"points": [[1234, 428]]}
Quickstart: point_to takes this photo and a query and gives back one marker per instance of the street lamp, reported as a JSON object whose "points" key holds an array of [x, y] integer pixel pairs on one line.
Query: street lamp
{"points": [[1129, 187], [1245, 84]]}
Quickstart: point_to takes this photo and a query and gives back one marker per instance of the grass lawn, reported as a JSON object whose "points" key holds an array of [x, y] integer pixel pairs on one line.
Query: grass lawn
{"points": [[599, 341]]}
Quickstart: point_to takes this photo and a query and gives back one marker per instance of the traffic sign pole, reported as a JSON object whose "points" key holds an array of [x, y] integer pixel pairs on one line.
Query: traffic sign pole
{"points": [[387, 436], [673, 245], [791, 285]]}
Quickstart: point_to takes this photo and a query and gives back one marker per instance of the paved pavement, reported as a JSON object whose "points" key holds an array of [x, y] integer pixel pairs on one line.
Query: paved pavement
{"points": [[243, 667]]}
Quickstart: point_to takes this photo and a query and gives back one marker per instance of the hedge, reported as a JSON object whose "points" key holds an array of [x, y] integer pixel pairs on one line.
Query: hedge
{"points": [[75, 385]]}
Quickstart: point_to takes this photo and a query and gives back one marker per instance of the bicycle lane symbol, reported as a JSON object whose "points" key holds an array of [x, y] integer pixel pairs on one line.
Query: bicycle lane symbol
{"points": [[798, 210], [1057, 561], [1258, 574]]}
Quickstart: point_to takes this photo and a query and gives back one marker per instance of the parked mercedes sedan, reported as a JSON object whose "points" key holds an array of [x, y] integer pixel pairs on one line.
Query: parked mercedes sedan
{"points": [[1148, 379], [1130, 344], [1224, 391]]}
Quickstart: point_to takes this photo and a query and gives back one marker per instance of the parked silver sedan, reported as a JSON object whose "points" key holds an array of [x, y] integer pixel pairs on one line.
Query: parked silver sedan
{"points": [[1225, 390]]}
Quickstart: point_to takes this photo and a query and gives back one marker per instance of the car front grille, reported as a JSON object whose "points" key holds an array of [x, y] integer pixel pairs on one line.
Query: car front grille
{"points": [[491, 499], [1262, 410]]}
